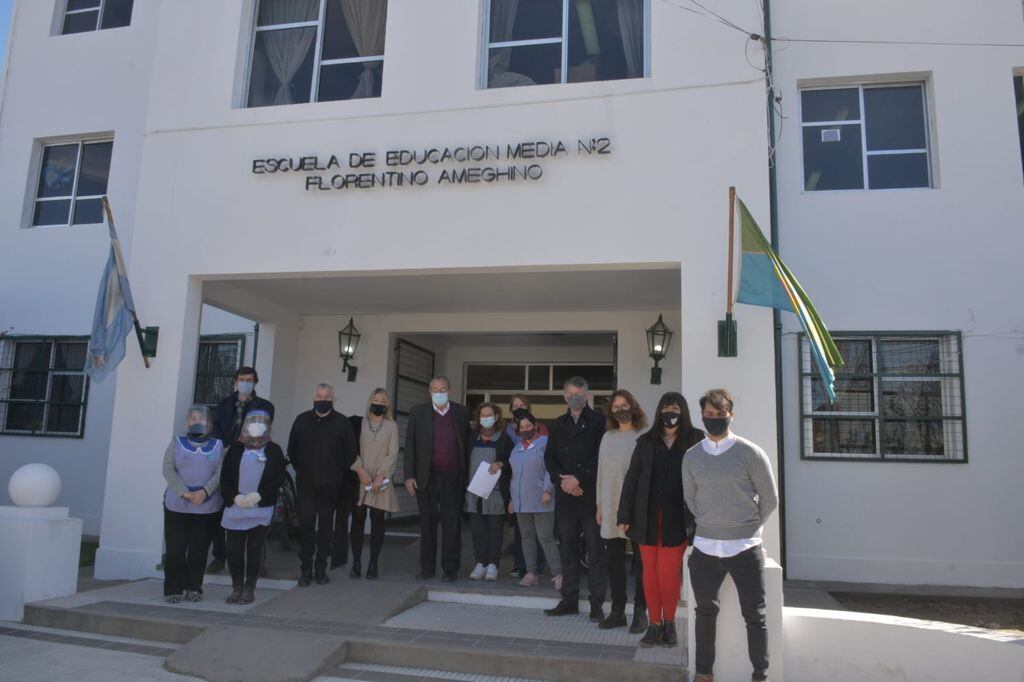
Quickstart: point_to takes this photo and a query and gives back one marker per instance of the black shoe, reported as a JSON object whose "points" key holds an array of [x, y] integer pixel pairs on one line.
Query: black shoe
{"points": [[563, 608], [236, 592], [321, 577], [334, 565], [668, 634], [426, 575], [247, 596], [596, 614], [449, 577], [215, 566], [371, 571], [305, 579], [653, 636], [517, 573], [615, 619], [355, 572], [639, 624]]}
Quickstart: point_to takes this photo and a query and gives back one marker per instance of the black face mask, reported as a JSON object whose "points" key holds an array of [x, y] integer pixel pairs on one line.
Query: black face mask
{"points": [[717, 426], [378, 410], [623, 416], [323, 406], [519, 413], [527, 435], [669, 419]]}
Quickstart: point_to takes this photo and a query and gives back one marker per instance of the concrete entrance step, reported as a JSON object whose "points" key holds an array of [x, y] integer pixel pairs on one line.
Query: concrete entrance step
{"points": [[393, 673]]}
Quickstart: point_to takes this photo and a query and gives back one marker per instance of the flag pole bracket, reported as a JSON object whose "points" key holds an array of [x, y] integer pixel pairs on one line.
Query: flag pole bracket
{"points": [[148, 341], [727, 337]]}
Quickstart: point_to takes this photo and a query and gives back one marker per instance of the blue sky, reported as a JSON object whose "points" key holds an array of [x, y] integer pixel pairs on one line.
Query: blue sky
{"points": [[5, 17]]}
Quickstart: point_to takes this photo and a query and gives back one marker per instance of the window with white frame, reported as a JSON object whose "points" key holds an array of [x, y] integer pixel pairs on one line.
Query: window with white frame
{"points": [[43, 387], [535, 42], [898, 397], [317, 51], [72, 182], [81, 16], [865, 137]]}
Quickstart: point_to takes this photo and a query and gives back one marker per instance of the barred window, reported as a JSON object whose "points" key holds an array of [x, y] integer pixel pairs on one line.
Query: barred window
{"points": [[43, 387], [81, 16], [219, 357], [898, 397]]}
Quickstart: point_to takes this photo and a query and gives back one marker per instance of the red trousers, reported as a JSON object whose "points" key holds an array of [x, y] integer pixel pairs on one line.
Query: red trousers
{"points": [[662, 580]]}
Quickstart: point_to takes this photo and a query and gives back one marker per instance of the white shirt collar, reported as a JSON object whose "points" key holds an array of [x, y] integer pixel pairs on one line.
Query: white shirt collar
{"points": [[443, 411], [713, 448]]}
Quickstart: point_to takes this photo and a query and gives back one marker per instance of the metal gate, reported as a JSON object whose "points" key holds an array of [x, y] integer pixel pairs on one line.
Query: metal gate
{"points": [[414, 370]]}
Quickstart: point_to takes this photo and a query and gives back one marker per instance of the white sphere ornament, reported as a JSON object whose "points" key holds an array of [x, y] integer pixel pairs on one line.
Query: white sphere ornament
{"points": [[34, 485]]}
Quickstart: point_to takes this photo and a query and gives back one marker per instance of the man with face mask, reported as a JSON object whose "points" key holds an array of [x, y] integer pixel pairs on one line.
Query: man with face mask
{"points": [[322, 448], [435, 474], [227, 427], [571, 459], [729, 487]]}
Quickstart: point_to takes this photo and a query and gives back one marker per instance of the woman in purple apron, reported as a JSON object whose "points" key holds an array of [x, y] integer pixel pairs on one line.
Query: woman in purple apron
{"points": [[253, 471], [192, 464]]}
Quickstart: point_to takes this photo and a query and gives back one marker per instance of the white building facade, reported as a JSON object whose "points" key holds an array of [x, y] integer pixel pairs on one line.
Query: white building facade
{"points": [[509, 193]]}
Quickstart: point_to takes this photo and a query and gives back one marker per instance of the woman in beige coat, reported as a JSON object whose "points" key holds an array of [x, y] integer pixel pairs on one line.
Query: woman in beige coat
{"points": [[378, 455]]}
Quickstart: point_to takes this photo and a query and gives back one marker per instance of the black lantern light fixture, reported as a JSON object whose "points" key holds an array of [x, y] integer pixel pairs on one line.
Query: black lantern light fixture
{"points": [[348, 340], [659, 336]]}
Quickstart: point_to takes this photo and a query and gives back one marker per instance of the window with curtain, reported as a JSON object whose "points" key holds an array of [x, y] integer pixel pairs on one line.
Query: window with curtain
{"points": [[81, 16], [535, 42], [317, 51], [898, 397], [72, 181], [43, 387]]}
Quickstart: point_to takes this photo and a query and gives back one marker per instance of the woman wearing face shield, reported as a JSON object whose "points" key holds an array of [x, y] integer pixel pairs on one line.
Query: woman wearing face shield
{"points": [[254, 468], [192, 466]]}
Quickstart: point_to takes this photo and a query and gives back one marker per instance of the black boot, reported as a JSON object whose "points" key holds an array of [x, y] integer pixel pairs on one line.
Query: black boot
{"points": [[236, 592], [668, 633], [563, 608], [305, 578], [639, 624], [615, 619], [653, 636], [357, 570], [596, 613], [371, 570]]}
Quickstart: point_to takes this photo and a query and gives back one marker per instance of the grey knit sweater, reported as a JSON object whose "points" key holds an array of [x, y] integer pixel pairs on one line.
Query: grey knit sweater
{"points": [[731, 494]]}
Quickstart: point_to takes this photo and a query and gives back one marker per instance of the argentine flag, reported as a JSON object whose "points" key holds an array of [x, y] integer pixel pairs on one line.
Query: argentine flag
{"points": [[114, 316]]}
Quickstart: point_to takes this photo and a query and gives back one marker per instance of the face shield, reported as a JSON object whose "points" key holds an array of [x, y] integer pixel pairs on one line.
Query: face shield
{"points": [[255, 429], [198, 422]]}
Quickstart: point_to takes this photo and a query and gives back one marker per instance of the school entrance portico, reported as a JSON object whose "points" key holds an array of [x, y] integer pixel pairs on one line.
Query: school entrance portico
{"points": [[492, 332]]}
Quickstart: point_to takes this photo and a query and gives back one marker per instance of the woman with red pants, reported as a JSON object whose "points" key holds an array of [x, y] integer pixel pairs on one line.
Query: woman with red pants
{"points": [[654, 516]]}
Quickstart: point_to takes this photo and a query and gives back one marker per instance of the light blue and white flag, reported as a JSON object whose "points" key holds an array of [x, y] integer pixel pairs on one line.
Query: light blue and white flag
{"points": [[114, 316]]}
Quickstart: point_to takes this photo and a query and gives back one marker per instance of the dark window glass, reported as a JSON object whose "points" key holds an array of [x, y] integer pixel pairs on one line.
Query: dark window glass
{"points": [[340, 41], [540, 378], [598, 50], [282, 67], [80, 22], [74, 5], [215, 370], [917, 356], [350, 81], [66, 393], [856, 356], [844, 436], [24, 417], [911, 398], [599, 377], [31, 365], [57, 176], [1018, 91], [496, 377], [842, 104], [88, 212], [525, 19], [70, 355], [52, 212], [895, 118], [836, 162], [117, 13], [913, 438], [274, 12], [524, 65], [891, 171], [95, 168], [852, 395]]}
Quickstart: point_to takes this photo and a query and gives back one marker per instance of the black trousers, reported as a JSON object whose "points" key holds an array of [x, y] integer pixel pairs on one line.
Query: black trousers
{"points": [[347, 498], [615, 558], [359, 528], [187, 538], [315, 505], [217, 534], [245, 554], [569, 531], [706, 575], [440, 503], [487, 537]]}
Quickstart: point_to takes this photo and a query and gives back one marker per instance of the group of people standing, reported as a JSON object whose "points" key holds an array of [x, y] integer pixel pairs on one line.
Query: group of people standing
{"points": [[591, 479]]}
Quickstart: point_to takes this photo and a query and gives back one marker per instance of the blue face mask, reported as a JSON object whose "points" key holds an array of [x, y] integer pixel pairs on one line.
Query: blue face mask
{"points": [[244, 387], [440, 399], [487, 422]]}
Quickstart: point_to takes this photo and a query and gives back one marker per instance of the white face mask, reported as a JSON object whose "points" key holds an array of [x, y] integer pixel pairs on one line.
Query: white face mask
{"points": [[256, 429]]}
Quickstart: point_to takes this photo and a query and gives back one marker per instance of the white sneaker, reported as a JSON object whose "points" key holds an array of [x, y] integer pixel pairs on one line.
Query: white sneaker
{"points": [[478, 572], [492, 573]]}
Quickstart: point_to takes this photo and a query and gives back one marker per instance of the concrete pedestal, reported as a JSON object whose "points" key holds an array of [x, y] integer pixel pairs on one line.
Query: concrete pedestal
{"points": [[39, 551], [731, 659]]}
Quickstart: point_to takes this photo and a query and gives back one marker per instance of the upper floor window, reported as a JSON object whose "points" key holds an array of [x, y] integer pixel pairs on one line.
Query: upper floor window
{"points": [[317, 51], [534, 42], [72, 182], [43, 387], [1018, 91], [865, 137], [91, 15]]}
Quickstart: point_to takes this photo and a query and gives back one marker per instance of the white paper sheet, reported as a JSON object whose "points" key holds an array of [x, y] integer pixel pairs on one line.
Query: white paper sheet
{"points": [[483, 481]]}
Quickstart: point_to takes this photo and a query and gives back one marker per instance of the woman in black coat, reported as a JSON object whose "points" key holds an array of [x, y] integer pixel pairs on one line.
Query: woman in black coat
{"points": [[654, 515], [250, 478]]}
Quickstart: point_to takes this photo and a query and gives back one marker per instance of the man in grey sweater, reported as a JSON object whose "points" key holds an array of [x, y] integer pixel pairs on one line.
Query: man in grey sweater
{"points": [[729, 487]]}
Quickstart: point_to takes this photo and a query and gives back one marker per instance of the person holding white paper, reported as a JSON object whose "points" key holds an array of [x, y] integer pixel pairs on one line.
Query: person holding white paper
{"points": [[491, 445]]}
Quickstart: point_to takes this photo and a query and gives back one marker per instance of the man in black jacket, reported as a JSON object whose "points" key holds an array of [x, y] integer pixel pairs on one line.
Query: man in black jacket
{"points": [[435, 462], [322, 448], [571, 459], [227, 426]]}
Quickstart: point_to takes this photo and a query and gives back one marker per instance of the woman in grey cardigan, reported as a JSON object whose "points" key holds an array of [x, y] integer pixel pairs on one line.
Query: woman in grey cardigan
{"points": [[192, 500]]}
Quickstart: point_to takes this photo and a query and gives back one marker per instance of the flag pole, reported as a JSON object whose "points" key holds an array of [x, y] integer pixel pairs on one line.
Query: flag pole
{"points": [[727, 327], [732, 230], [135, 318]]}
